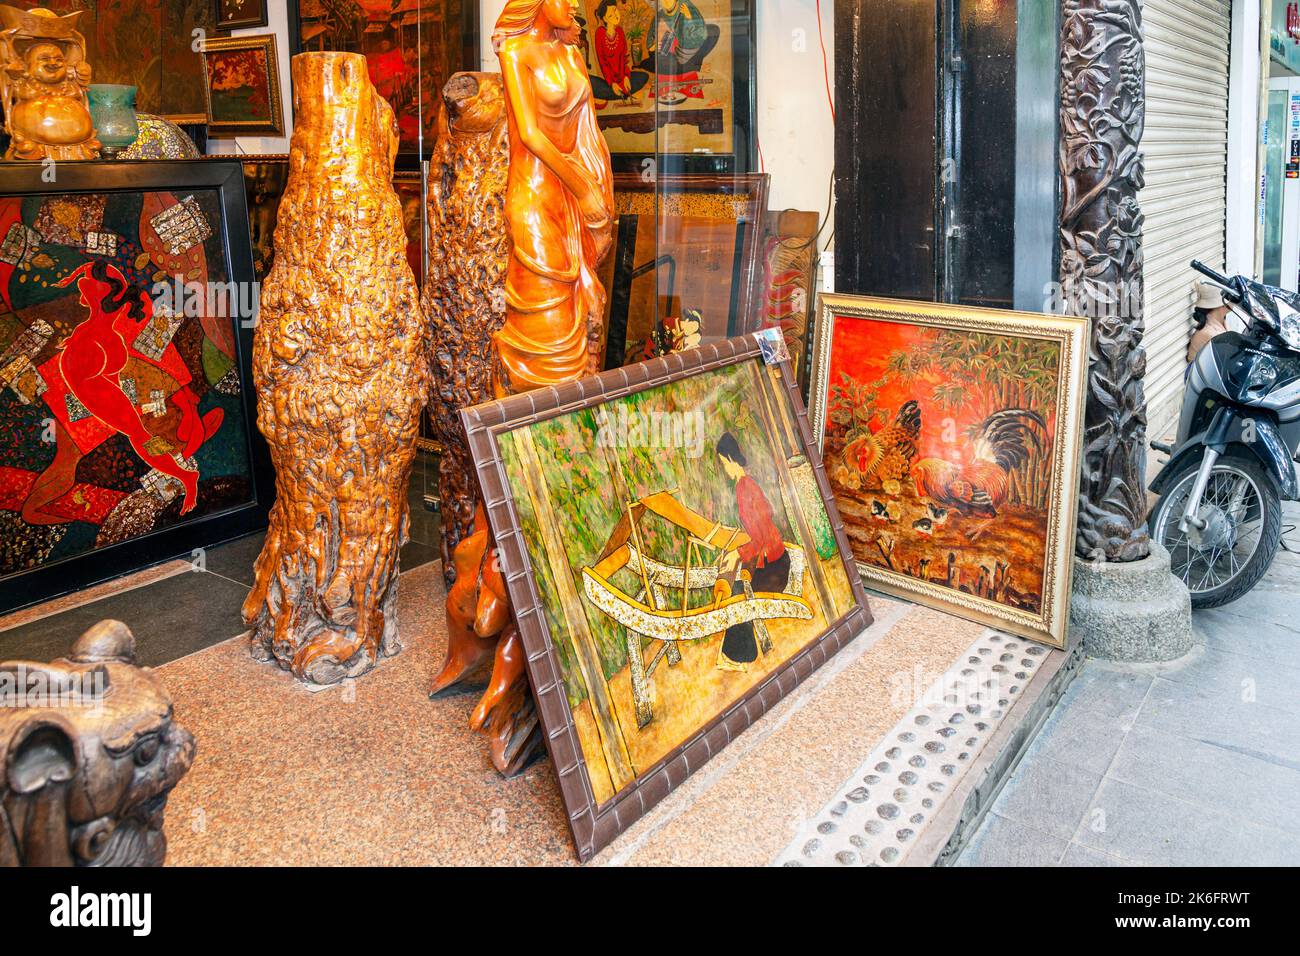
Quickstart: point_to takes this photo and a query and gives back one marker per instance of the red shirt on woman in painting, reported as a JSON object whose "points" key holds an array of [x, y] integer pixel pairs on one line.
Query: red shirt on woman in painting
{"points": [[615, 61], [765, 544]]}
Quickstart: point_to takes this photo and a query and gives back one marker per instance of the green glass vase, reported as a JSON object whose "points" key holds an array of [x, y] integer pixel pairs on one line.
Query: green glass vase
{"points": [[112, 109]]}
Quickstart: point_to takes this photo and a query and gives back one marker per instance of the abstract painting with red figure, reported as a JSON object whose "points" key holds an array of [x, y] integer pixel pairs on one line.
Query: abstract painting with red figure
{"points": [[121, 405]]}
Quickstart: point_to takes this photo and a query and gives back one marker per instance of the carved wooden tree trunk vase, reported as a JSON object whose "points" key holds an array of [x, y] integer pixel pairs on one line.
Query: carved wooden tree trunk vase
{"points": [[340, 363], [465, 301], [464, 290]]}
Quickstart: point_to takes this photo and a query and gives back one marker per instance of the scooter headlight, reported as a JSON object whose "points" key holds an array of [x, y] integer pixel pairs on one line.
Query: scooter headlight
{"points": [[1251, 375], [1290, 330]]}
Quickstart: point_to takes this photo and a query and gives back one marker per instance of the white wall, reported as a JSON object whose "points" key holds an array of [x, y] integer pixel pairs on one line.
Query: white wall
{"points": [[489, 10], [1244, 133], [795, 129], [277, 23]]}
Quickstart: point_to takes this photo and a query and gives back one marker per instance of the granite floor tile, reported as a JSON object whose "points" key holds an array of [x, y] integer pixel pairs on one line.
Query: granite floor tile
{"points": [[1227, 631], [1004, 842], [1076, 855], [1270, 683], [1047, 796], [1257, 790], [1263, 605], [1223, 720], [1107, 691], [170, 619], [1150, 828], [1080, 737], [368, 773]]}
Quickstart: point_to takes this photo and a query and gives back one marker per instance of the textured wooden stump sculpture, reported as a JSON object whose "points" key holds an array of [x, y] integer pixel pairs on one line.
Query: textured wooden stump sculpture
{"points": [[90, 754], [464, 291], [340, 362], [558, 227], [464, 301]]}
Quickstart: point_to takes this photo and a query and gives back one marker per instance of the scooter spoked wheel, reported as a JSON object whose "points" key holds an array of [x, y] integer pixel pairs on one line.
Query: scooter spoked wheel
{"points": [[1242, 514]]}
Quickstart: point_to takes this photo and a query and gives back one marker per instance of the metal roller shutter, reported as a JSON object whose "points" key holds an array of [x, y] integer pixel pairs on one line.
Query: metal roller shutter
{"points": [[1185, 199]]}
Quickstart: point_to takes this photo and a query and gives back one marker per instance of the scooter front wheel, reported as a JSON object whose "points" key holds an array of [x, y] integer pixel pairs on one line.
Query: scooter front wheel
{"points": [[1242, 516]]}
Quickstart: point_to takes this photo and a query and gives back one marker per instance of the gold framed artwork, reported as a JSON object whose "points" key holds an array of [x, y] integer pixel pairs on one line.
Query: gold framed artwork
{"points": [[242, 86], [674, 560], [951, 436]]}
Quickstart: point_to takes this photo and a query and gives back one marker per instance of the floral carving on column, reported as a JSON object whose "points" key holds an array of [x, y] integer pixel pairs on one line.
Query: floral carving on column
{"points": [[1103, 73]]}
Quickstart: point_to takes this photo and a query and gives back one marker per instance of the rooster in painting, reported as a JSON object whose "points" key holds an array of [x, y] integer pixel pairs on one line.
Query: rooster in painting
{"points": [[884, 458], [980, 488]]}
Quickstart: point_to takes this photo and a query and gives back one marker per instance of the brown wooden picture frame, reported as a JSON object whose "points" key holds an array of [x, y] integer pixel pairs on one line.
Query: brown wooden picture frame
{"points": [[594, 826], [240, 14], [653, 203]]}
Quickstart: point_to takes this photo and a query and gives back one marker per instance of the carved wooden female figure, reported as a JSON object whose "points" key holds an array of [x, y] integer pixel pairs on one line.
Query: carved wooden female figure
{"points": [[559, 200]]}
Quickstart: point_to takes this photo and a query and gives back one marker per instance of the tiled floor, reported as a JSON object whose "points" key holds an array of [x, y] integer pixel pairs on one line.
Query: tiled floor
{"points": [[1192, 763], [199, 607]]}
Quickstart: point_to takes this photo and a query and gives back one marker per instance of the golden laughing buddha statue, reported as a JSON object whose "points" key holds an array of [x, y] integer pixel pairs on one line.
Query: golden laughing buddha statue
{"points": [[43, 86]]}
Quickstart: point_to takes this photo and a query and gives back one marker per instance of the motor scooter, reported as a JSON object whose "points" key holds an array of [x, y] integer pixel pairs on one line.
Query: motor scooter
{"points": [[1233, 463]]}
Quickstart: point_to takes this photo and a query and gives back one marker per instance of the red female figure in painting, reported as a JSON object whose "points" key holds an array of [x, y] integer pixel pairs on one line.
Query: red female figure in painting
{"points": [[763, 560], [612, 49], [92, 358]]}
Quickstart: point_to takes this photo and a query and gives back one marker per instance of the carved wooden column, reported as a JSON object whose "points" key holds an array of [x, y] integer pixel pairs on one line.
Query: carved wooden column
{"points": [[1101, 163], [464, 291], [1125, 605], [341, 364]]}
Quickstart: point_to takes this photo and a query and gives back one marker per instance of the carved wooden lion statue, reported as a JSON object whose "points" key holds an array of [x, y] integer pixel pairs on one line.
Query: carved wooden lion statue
{"points": [[90, 754]]}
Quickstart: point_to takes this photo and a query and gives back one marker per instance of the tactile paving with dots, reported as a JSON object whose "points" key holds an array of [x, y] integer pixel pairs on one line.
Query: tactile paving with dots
{"points": [[878, 815]]}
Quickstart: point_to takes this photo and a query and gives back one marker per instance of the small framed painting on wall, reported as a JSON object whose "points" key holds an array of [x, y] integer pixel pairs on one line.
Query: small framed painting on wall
{"points": [[242, 86], [240, 14]]}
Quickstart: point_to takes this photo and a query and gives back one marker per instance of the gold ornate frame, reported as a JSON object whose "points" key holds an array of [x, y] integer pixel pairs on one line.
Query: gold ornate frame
{"points": [[266, 42], [1071, 333]]}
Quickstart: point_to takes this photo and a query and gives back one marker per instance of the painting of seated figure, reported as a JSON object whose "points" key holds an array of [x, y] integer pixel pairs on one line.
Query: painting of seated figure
{"points": [[679, 553]]}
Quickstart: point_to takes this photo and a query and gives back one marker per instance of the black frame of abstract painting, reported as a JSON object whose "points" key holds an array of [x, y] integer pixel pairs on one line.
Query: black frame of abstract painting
{"points": [[180, 540]]}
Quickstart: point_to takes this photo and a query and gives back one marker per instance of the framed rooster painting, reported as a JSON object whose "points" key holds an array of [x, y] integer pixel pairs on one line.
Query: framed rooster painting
{"points": [[951, 436]]}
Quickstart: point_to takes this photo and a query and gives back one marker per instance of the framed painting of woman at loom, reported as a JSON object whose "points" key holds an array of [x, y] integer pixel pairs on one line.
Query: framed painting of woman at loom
{"points": [[673, 559]]}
